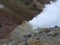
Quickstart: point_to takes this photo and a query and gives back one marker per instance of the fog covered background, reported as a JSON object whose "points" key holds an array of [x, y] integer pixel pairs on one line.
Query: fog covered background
{"points": [[49, 17]]}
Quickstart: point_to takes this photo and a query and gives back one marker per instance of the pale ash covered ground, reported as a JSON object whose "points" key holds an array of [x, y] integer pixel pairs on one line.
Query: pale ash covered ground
{"points": [[25, 35]]}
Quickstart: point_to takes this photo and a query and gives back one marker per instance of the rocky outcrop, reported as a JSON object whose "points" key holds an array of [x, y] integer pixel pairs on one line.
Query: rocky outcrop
{"points": [[22, 10], [14, 12]]}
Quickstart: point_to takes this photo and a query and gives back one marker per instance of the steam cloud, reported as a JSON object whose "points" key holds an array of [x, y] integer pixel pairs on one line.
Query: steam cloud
{"points": [[49, 17], [1, 6]]}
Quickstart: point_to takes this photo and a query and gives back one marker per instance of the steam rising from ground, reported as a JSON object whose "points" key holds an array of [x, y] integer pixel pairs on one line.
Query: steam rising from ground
{"points": [[49, 17], [1, 6]]}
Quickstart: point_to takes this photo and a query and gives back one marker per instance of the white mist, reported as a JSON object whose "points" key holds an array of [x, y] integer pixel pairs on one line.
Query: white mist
{"points": [[1, 6], [49, 17]]}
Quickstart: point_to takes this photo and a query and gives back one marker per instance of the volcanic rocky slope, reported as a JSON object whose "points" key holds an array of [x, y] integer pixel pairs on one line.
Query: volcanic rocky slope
{"points": [[15, 12], [24, 35]]}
